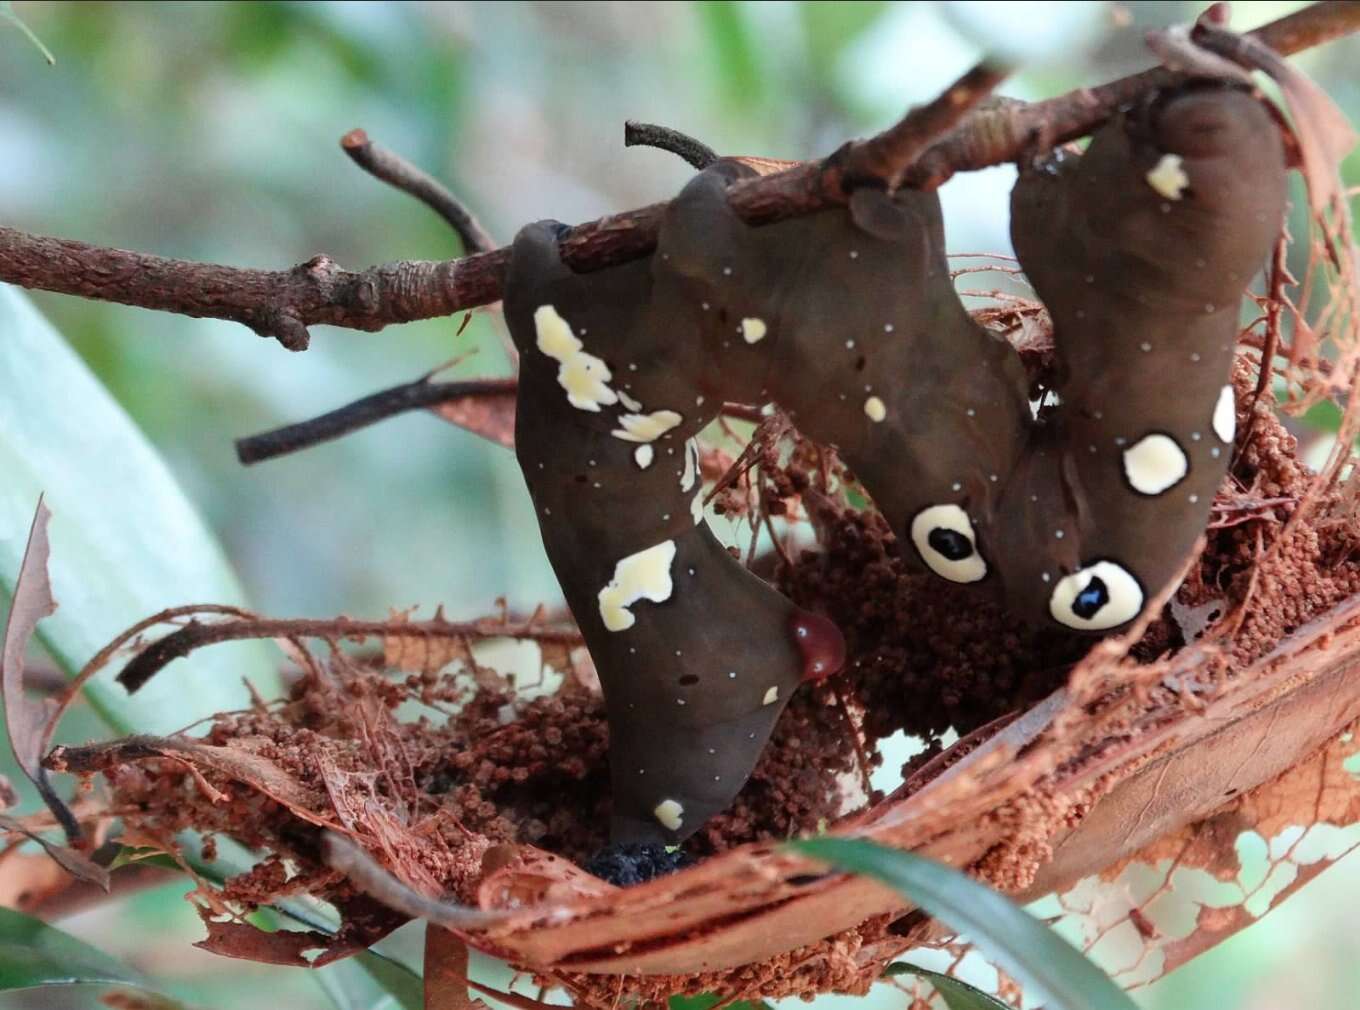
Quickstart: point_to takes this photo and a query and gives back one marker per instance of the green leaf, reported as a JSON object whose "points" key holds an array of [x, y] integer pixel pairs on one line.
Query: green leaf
{"points": [[396, 979], [8, 16], [32, 954], [1015, 940], [125, 540], [956, 995], [705, 1000]]}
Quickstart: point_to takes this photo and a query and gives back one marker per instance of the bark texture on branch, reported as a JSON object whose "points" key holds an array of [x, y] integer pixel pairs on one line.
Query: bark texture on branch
{"points": [[924, 149]]}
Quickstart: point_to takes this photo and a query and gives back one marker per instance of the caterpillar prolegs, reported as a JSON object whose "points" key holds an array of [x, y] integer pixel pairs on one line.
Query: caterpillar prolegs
{"points": [[848, 319]]}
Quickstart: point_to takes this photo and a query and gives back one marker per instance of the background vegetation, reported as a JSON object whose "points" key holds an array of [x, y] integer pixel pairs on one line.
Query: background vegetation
{"points": [[209, 130]]}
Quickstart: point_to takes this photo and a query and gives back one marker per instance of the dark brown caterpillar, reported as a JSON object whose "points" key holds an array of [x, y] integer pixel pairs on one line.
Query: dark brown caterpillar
{"points": [[849, 320]]}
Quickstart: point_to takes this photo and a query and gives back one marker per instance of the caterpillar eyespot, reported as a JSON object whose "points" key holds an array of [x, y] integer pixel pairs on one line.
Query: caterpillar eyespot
{"points": [[1098, 597], [1139, 248], [943, 536]]}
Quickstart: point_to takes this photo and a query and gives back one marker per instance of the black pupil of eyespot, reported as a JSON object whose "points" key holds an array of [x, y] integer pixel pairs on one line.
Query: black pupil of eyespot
{"points": [[950, 543], [1091, 599]]}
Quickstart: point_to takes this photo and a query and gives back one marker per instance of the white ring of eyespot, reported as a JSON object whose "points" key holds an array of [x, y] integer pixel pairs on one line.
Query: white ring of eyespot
{"points": [[1125, 597], [947, 517], [1155, 464], [1225, 415]]}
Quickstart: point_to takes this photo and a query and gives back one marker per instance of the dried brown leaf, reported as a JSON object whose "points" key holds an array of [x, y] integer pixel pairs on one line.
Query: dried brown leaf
{"points": [[489, 414], [419, 653], [446, 972], [68, 859], [246, 942]]}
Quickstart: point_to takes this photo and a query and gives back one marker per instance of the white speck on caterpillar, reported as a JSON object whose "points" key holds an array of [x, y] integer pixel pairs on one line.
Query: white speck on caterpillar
{"points": [[690, 475], [771, 696], [753, 330], [645, 575], [887, 327], [1145, 346], [669, 814], [646, 427], [1225, 415], [1154, 464], [584, 376], [874, 409], [849, 345], [1168, 177], [642, 455]]}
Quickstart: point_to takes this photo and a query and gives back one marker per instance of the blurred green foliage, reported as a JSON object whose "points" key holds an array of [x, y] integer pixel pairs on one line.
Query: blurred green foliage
{"points": [[209, 131]]}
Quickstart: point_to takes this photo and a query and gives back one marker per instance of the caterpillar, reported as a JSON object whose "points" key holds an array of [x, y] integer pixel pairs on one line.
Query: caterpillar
{"points": [[848, 319]]}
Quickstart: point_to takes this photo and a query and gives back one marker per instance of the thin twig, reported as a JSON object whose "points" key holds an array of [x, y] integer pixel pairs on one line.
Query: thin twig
{"points": [[396, 171], [422, 394], [695, 152], [194, 635], [283, 303], [377, 407]]}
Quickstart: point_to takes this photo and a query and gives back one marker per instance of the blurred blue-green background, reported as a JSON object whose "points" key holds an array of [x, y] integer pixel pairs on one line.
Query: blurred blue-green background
{"points": [[209, 131]]}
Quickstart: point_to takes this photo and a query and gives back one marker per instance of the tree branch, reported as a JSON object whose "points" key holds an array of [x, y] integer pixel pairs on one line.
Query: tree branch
{"points": [[928, 146], [194, 635], [396, 171], [371, 409], [273, 303], [695, 152]]}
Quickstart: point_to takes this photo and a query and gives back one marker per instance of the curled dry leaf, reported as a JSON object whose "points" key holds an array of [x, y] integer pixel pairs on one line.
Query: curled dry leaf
{"points": [[490, 414]]}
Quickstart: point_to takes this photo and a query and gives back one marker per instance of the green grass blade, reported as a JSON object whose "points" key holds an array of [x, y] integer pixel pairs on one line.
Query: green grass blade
{"points": [[1016, 941], [34, 954], [956, 995]]}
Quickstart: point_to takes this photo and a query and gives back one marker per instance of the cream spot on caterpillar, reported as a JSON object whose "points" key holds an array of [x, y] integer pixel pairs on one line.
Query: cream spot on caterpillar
{"points": [[642, 455], [1095, 598], [691, 472], [771, 696], [875, 409], [669, 814], [1154, 464], [629, 402], [1225, 415], [646, 427], [584, 376], [1168, 176], [645, 575], [944, 538], [753, 330]]}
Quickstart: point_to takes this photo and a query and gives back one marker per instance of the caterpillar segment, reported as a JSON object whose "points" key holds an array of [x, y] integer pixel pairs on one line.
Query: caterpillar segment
{"points": [[848, 319]]}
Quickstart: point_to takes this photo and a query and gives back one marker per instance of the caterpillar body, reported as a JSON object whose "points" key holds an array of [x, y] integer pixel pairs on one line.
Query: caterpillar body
{"points": [[848, 319]]}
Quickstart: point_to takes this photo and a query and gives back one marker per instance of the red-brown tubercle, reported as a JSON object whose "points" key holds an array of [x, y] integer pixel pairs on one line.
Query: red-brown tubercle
{"points": [[820, 642]]}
